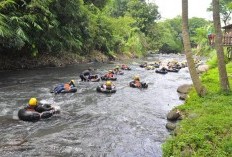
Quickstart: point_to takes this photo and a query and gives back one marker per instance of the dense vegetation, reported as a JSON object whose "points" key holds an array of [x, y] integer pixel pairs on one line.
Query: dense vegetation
{"points": [[32, 28], [77, 26]]}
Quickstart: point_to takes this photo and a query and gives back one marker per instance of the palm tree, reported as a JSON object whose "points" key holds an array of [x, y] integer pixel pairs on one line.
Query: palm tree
{"points": [[218, 43], [200, 89]]}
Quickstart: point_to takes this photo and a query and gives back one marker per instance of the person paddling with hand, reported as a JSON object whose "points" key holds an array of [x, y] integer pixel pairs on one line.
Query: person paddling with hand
{"points": [[65, 88]]}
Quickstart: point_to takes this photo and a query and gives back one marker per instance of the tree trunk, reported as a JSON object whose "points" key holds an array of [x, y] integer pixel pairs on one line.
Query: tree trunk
{"points": [[200, 89], [218, 43]]}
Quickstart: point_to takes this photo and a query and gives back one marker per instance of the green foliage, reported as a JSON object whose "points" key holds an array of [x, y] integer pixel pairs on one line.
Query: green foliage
{"points": [[200, 38], [144, 14], [98, 3], [206, 128], [213, 62], [135, 44], [225, 10], [118, 8], [77, 26], [169, 37], [82, 26]]}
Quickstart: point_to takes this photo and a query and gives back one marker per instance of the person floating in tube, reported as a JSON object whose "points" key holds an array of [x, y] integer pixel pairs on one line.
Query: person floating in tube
{"points": [[35, 111], [67, 87]]}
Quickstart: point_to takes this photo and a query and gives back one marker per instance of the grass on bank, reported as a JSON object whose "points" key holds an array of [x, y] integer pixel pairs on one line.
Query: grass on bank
{"points": [[206, 129]]}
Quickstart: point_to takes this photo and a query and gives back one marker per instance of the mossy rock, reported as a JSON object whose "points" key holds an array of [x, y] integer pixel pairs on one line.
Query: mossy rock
{"points": [[170, 126], [173, 115], [184, 89]]}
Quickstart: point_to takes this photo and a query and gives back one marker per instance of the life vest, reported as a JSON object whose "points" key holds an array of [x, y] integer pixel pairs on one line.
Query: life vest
{"points": [[67, 87], [28, 108], [137, 83], [109, 75]]}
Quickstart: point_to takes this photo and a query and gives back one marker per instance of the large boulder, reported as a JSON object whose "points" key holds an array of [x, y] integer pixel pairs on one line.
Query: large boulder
{"points": [[173, 115], [202, 68], [170, 126], [183, 96], [184, 89]]}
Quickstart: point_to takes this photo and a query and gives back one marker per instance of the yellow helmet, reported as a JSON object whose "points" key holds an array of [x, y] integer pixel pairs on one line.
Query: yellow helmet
{"points": [[136, 78], [117, 67], [108, 83], [72, 82], [110, 71], [32, 102]]}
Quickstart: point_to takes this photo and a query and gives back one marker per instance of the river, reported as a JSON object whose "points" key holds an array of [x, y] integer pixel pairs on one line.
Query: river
{"points": [[129, 123]]}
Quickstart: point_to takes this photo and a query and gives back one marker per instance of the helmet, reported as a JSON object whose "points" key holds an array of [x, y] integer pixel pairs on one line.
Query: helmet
{"points": [[136, 78], [72, 82], [108, 83], [117, 67], [32, 102], [110, 71]]}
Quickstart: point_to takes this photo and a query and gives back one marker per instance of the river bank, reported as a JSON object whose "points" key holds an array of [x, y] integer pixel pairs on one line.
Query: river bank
{"points": [[206, 127], [59, 60]]}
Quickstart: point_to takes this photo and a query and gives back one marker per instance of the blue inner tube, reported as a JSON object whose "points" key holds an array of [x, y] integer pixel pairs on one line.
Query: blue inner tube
{"points": [[102, 90], [143, 85], [72, 90], [109, 78]]}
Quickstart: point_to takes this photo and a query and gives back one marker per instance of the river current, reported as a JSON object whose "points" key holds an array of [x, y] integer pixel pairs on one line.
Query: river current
{"points": [[129, 123]]}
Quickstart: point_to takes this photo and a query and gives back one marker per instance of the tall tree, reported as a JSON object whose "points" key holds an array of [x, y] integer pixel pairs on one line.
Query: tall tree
{"points": [[200, 89], [218, 43], [225, 9]]}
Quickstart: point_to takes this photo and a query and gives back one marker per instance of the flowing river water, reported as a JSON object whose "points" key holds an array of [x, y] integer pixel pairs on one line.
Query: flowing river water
{"points": [[129, 123]]}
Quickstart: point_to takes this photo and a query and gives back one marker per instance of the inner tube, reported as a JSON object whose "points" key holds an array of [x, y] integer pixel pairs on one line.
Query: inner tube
{"points": [[143, 65], [119, 73], [25, 115], [94, 78], [33, 116], [156, 65], [161, 71], [107, 91], [72, 90], [149, 67], [173, 70], [143, 85], [59, 89], [127, 68], [109, 78], [177, 66]]}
